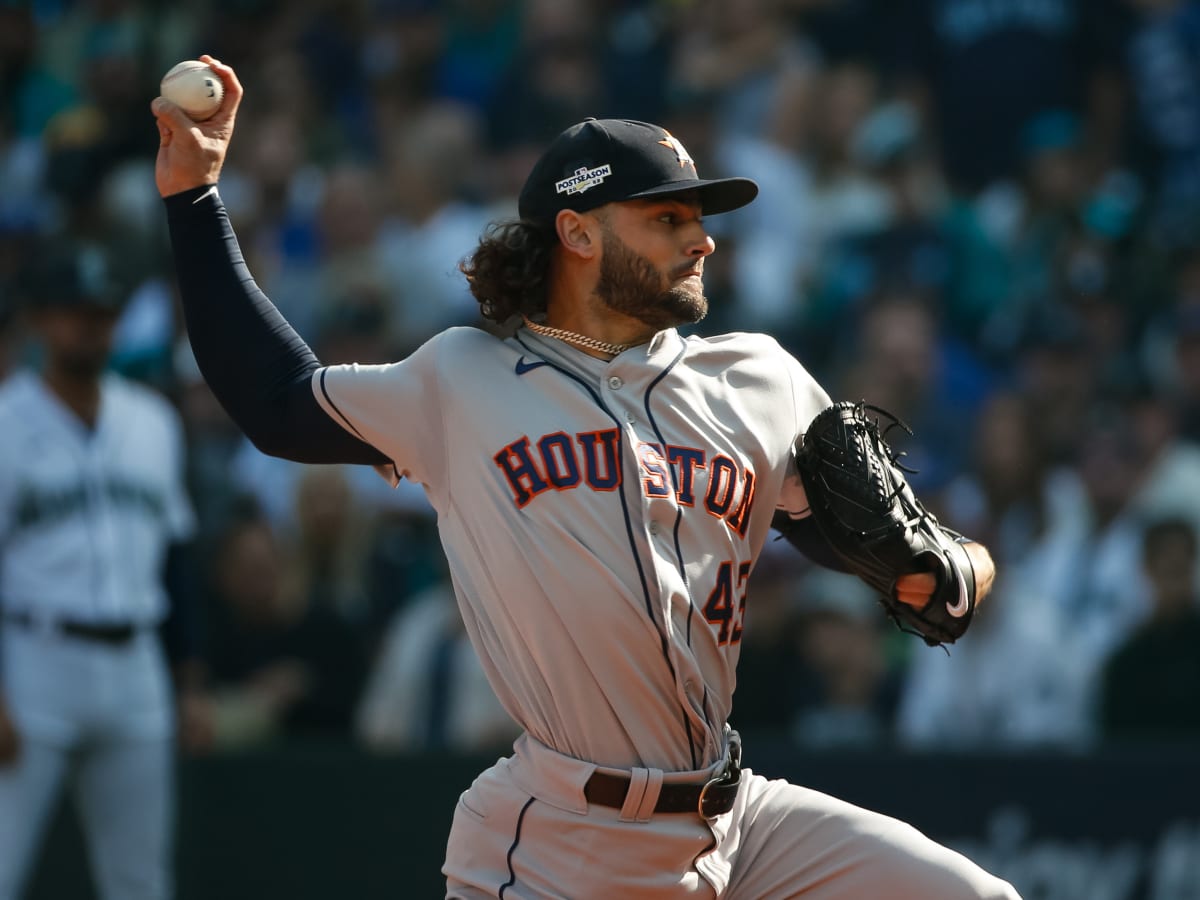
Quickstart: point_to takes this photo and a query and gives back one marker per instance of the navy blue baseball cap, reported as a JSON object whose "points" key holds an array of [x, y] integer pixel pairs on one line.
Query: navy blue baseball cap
{"points": [[601, 161], [74, 276]]}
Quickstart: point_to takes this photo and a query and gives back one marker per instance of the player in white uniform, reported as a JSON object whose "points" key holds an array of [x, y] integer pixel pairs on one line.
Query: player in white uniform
{"points": [[91, 497], [603, 487]]}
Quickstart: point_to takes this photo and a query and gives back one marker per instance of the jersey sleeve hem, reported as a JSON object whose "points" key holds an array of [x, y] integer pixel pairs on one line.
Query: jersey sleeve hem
{"points": [[386, 471]]}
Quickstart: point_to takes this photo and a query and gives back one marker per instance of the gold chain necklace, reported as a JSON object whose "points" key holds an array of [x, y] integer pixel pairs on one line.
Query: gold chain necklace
{"points": [[579, 340]]}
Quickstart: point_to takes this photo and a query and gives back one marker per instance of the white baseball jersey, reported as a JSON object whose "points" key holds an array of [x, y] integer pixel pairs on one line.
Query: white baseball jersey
{"points": [[605, 513], [85, 515]]}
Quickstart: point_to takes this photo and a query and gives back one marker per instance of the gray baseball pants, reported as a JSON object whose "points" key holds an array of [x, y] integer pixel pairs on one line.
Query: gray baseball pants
{"points": [[524, 831]]}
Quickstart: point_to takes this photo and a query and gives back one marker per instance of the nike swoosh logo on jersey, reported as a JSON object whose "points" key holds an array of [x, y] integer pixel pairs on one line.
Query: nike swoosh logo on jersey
{"points": [[959, 609], [522, 367], [212, 190]]}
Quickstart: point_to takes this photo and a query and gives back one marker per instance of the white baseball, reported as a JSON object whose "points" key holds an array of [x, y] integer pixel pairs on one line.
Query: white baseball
{"points": [[194, 87]]}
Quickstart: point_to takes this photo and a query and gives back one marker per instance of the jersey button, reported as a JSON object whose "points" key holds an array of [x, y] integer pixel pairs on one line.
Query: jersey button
{"points": [[615, 383], [654, 528], [630, 418]]}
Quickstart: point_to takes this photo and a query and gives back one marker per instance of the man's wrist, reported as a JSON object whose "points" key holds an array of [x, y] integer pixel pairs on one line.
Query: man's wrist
{"points": [[191, 195], [185, 205]]}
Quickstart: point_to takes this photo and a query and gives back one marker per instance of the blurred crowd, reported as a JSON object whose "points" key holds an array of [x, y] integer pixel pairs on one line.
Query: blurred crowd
{"points": [[981, 215]]}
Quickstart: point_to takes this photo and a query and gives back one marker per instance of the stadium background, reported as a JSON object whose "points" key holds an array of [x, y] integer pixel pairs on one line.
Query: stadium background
{"points": [[981, 214]]}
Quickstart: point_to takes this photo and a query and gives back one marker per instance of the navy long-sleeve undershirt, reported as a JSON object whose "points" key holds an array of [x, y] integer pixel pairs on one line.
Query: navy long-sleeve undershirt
{"points": [[258, 367], [805, 536]]}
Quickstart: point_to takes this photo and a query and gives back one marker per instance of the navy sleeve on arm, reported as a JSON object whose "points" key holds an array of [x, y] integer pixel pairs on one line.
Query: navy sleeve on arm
{"points": [[257, 366], [805, 536]]}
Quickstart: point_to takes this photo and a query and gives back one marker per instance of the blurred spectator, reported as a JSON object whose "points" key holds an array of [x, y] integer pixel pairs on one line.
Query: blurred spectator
{"points": [[1151, 683], [812, 193], [480, 40], [330, 544], [1062, 230], [770, 248], [957, 57], [768, 670], [97, 51], [8, 330], [554, 78], [427, 689], [18, 40], [1091, 581], [637, 58], [1164, 75], [923, 242], [1008, 494], [277, 665], [902, 363], [401, 53], [846, 199], [1186, 355], [848, 686], [1008, 682], [1170, 349], [436, 205], [349, 261], [29, 98], [745, 59], [1050, 187], [1170, 483], [1056, 373]]}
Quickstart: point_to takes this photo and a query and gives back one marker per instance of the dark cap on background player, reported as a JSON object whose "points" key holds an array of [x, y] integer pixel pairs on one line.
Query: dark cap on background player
{"points": [[73, 276], [599, 161]]}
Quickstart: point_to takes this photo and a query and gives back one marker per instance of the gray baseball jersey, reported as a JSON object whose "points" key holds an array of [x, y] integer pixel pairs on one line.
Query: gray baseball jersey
{"points": [[601, 519]]}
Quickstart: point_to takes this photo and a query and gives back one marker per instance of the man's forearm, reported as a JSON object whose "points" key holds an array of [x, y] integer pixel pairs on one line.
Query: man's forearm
{"points": [[804, 535]]}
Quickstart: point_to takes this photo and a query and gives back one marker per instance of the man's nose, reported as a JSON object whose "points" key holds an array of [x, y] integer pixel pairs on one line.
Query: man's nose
{"points": [[701, 244]]}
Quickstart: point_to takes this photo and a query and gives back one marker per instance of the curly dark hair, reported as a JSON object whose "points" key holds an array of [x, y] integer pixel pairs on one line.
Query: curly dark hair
{"points": [[507, 272]]}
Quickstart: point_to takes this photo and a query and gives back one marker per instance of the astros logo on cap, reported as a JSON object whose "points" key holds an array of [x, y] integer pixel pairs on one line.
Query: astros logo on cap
{"points": [[670, 141]]}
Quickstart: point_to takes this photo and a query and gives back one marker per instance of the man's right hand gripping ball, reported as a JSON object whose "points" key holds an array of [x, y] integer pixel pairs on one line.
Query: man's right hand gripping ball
{"points": [[191, 154]]}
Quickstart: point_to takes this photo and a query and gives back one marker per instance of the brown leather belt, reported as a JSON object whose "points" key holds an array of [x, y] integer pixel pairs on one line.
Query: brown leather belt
{"points": [[709, 800]]}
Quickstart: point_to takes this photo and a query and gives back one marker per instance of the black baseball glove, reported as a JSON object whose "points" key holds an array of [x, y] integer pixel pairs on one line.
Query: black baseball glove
{"points": [[866, 511]]}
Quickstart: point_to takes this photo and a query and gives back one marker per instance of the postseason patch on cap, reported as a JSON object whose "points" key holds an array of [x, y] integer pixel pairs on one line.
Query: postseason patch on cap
{"points": [[583, 180]]}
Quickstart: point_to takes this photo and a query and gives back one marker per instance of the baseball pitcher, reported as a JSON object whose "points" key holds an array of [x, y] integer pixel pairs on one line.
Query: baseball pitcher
{"points": [[603, 487]]}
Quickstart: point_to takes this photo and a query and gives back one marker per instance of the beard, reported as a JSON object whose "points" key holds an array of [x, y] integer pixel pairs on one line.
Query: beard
{"points": [[630, 284]]}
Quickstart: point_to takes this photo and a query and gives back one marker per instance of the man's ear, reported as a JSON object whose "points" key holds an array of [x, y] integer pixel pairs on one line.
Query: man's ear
{"points": [[579, 233]]}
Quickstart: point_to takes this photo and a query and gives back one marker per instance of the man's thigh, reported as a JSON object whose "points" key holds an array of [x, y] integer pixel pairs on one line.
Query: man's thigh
{"points": [[788, 841]]}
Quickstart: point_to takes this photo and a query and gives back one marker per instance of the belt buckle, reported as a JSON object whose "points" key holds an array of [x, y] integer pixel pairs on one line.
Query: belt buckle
{"points": [[704, 797], [730, 775]]}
